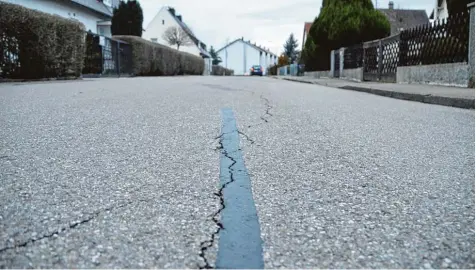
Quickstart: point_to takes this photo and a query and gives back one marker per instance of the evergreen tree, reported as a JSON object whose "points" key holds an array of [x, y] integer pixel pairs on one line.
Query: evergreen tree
{"points": [[342, 23], [127, 19], [290, 47], [215, 58]]}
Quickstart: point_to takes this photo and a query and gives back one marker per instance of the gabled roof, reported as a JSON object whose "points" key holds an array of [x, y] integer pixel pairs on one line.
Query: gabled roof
{"points": [[248, 43], [189, 31], [94, 5], [404, 18]]}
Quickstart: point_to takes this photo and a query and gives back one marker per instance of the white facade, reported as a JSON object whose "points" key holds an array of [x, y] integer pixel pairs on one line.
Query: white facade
{"points": [[156, 28], [89, 18], [440, 11], [241, 55]]}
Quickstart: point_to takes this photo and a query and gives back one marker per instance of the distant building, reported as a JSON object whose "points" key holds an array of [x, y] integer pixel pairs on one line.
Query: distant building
{"points": [[401, 19], [241, 55], [440, 11], [307, 27], [96, 15], [167, 17]]}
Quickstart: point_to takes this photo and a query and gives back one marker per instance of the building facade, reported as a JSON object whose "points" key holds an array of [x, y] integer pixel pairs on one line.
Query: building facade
{"points": [[95, 15], [167, 17], [241, 55]]}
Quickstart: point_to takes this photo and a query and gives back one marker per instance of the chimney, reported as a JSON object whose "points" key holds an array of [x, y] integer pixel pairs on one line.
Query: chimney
{"points": [[390, 5], [172, 10], [179, 17]]}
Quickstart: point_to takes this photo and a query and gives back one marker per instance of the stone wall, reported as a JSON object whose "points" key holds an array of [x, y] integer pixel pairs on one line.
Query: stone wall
{"points": [[353, 74], [318, 74], [454, 74]]}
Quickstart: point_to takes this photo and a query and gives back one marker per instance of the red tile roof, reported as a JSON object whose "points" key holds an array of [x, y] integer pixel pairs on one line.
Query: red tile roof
{"points": [[307, 27]]}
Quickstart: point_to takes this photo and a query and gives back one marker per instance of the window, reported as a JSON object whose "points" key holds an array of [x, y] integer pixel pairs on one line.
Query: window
{"points": [[107, 3], [153, 40], [163, 21]]}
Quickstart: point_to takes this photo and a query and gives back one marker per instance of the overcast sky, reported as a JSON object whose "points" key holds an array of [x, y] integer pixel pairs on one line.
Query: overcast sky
{"points": [[266, 22]]}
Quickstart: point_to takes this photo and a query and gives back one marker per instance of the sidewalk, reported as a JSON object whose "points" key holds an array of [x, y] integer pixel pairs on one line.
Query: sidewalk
{"points": [[440, 95]]}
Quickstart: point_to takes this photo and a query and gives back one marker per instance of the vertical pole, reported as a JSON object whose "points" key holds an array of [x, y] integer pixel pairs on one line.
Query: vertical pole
{"points": [[118, 62], [380, 62], [471, 46], [332, 64]]}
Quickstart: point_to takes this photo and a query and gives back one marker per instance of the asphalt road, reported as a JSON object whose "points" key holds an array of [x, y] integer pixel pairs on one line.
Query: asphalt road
{"points": [[123, 173]]}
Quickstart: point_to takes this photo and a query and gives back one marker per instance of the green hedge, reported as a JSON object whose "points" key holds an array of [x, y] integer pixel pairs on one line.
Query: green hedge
{"points": [[153, 59], [36, 45], [221, 71]]}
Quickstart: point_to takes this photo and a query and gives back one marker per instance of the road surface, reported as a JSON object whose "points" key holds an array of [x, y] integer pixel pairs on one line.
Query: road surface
{"points": [[129, 173]]}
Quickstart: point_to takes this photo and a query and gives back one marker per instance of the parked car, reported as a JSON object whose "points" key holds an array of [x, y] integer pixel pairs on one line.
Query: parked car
{"points": [[256, 70]]}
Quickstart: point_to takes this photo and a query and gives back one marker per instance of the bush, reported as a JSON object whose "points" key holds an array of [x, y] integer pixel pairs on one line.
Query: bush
{"points": [[273, 70], [153, 59], [39, 45], [221, 71]]}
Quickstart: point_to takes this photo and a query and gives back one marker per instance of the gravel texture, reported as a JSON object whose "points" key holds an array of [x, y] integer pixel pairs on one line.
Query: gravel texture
{"points": [[121, 173]]}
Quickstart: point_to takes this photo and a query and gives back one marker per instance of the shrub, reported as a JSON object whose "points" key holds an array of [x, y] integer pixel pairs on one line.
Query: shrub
{"points": [[39, 45], [153, 59], [221, 71], [273, 70]]}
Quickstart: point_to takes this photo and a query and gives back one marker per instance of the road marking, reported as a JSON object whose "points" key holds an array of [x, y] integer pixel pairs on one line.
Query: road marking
{"points": [[240, 244]]}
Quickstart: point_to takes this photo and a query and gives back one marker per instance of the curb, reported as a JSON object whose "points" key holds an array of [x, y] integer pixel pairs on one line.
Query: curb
{"points": [[463, 103]]}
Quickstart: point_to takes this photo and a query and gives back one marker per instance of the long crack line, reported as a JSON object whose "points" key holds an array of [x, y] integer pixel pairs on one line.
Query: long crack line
{"points": [[71, 226], [205, 245]]}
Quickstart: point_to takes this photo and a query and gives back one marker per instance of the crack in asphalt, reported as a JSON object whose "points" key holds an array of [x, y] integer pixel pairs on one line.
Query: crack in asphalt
{"points": [[267, 113], [246, 136], [71, 226], [205, 245]]}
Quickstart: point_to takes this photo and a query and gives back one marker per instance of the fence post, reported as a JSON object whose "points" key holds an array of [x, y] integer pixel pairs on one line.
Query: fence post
{"points": [[380, 60], [341, 64], [118, 52], [332, 64], [471, 46]]}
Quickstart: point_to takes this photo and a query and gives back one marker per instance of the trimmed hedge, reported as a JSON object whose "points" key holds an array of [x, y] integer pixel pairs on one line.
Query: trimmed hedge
{"points": [[221, 71], [36, 45], [153, 59]]}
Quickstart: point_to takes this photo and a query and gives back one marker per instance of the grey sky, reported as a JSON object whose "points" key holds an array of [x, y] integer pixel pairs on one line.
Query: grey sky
{"points": [[268, 22]]}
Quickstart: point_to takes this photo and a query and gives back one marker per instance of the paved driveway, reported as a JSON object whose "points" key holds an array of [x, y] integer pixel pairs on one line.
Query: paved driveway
{"points": [[139, 173]]}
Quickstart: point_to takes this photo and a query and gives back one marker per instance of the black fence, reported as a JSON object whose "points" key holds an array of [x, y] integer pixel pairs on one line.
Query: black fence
{"points": [[445, 41], [441, 42], [106, 56], [337, 63], [353, 56], [9, 57], [370, 58]]}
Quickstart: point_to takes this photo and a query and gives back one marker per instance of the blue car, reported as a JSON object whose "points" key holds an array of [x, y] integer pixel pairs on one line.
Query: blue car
{"points": [[256, 70]]}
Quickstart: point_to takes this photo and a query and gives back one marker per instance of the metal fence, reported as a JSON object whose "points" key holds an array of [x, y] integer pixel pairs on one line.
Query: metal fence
{"points": [[106, 56], [353, 56], [337, 63], [444, 41]]}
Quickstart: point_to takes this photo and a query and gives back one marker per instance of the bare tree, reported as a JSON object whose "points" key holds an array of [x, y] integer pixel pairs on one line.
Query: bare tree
{"points": [[177, 36]]}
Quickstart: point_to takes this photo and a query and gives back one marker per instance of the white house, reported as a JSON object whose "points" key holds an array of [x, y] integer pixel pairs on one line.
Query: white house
{"points": [[240, 55], [440, 10], [96, 15], [167, 17]]}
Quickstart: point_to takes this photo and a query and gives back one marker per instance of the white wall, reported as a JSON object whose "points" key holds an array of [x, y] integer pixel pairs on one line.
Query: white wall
{"points": [[157, 27], [88, 18], [233, 57]]}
